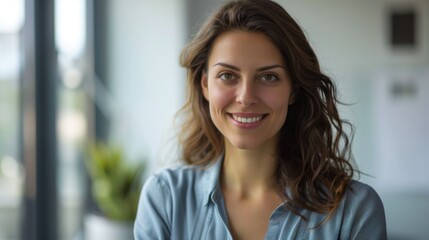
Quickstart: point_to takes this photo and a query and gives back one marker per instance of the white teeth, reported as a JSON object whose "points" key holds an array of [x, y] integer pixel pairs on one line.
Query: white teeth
{"points": [[246, 120]]}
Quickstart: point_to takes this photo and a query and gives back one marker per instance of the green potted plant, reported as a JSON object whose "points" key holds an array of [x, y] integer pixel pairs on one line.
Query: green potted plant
{"points": [[116, 185]]}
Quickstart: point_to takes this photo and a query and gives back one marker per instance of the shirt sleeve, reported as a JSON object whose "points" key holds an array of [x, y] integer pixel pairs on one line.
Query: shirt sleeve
{"points": [[368, 218], [153, 218]]}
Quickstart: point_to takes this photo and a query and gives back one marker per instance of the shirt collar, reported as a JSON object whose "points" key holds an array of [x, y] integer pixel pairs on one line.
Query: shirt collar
{"points": [[211, 178]]}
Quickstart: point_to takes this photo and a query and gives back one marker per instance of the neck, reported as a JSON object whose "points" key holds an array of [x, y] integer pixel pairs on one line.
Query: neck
{"points": [[247, 172]]}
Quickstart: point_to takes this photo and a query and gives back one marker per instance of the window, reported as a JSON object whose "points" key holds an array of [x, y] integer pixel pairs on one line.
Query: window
{"points": [[11, 171]]}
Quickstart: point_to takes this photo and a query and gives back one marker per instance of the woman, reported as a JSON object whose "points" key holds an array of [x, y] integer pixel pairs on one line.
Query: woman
{"points": [[266, 151]]}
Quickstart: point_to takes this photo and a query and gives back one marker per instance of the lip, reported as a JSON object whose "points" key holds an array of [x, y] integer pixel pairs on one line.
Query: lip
{"points": [[247, 115]]}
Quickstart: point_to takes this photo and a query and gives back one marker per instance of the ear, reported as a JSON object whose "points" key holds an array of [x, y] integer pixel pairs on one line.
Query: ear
{"points": [[204, 85]]}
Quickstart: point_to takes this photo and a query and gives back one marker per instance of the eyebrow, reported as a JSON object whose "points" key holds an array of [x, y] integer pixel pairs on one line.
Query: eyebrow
{"points": [[258, 69]]}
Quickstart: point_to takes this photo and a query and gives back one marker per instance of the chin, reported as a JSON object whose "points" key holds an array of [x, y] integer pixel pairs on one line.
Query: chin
{"points": [[245, 145]]}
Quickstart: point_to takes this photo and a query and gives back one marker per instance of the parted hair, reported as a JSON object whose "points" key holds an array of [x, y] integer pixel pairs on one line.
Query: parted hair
{"points": [[314, 143]]}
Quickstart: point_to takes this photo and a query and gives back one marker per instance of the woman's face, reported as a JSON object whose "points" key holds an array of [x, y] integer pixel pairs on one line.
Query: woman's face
{"points": [[248, 89]]}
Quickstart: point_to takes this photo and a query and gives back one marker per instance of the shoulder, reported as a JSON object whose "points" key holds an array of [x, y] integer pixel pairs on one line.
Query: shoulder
{"points": [[363, 212], [360, 215], [361, 200], [180, 182], [171, 201], [161, 201], [359, 192], [177, 176]]}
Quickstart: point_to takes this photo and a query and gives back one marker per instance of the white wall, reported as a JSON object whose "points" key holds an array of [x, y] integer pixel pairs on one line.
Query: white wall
{"points": [[145, 39], [350, 39]]}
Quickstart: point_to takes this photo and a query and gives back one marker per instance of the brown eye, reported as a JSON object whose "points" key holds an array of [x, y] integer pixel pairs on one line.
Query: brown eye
{"points": [[269, 78], [226, 76]]}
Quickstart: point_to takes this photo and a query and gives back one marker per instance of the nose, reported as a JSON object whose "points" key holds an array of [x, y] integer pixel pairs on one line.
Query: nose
{"points": [[246, 94]]}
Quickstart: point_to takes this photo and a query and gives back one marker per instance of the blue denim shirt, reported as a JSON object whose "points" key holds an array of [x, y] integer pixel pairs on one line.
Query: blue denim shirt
{"points": [[186, 203]]}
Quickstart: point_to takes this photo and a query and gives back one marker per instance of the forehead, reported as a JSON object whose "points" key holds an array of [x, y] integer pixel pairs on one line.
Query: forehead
{"points": [[244, 48]]}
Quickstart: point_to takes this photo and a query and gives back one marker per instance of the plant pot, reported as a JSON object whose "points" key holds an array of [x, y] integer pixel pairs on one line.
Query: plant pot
{"points": [[102, 228]]}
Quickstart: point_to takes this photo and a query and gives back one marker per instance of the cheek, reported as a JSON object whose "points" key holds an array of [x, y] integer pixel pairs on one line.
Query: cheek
{"points": [[220, 98], [278, 100]]}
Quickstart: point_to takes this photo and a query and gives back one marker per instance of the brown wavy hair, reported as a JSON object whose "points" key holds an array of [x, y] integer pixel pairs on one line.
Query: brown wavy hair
{"points": [[314, 145]]}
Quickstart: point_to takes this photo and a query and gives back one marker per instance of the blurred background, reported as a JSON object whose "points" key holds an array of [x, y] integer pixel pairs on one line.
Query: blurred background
{"points": [[75, 72]]}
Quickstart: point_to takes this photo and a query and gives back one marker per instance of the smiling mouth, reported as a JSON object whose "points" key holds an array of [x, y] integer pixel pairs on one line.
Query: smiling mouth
{"points": [[248, 119]]}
